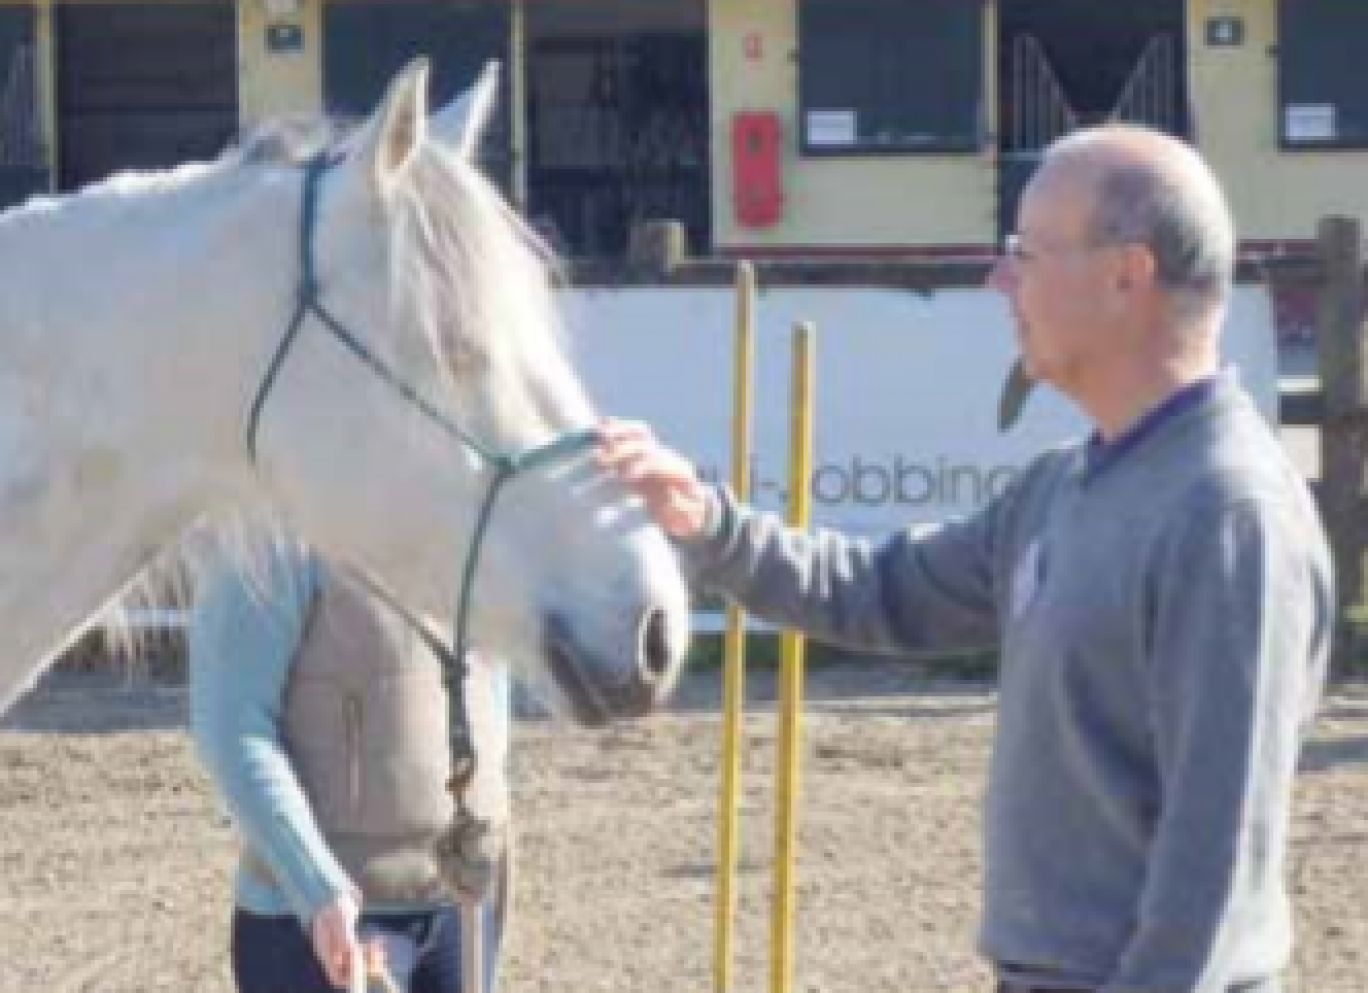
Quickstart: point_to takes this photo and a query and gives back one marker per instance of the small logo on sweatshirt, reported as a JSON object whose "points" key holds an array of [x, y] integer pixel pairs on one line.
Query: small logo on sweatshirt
{"points": [[1026, 578]]}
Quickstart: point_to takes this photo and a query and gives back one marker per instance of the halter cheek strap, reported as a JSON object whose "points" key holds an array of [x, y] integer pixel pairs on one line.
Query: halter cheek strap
{"points": [[503, 466]]}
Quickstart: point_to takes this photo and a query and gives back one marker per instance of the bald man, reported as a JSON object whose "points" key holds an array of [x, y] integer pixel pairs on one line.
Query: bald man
{"points": [[1161, 593]]}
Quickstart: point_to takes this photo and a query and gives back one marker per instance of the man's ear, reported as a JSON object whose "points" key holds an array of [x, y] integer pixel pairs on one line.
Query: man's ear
{"points": [[1137, 269]]}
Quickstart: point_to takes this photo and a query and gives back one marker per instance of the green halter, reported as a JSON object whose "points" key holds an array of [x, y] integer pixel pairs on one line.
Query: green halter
{"points": [[503, 466]]}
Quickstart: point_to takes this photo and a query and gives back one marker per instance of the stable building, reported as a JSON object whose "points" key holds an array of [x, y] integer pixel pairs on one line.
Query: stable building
{"points": [[769, 128]]}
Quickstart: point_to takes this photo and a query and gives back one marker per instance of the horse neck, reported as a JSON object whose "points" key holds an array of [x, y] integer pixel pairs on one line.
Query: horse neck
{"points": [[122, 387]]}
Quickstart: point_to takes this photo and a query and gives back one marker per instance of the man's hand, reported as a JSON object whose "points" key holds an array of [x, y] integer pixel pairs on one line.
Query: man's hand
{"points": [[334, 940], [664, 479]]}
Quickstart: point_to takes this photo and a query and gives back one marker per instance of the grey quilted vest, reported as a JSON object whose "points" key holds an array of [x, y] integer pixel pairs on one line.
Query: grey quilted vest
{"points": [[365, 723]]}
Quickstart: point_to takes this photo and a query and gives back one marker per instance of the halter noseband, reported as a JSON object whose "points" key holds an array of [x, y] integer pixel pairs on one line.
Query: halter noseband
{"points": [[503, 466]]}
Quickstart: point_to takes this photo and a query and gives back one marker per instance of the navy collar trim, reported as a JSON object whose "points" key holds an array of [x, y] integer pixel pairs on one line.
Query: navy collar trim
{"points": [[1100, 455]]}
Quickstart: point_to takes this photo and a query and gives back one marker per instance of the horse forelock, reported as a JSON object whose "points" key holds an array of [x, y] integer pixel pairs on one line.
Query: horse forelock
{"points": [[478, 284]]}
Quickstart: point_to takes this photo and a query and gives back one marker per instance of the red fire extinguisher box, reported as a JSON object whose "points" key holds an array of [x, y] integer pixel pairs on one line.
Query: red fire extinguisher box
{"points": [[757, 188]]}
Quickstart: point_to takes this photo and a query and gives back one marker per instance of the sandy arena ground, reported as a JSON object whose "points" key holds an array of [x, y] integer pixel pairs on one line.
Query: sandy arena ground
{"points": [[115, 857]]}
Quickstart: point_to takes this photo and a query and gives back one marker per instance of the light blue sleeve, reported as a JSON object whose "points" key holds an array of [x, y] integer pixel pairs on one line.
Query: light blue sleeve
{"points": [[242, 638]]}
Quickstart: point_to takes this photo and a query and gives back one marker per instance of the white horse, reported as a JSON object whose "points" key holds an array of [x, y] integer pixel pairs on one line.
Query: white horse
{"points": [[165, 356]]}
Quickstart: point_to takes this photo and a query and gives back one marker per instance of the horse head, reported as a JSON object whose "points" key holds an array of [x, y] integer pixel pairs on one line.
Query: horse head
{"points": [[422, 364]]}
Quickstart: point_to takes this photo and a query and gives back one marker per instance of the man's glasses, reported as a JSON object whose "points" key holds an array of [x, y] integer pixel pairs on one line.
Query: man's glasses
{"points": [[1014, 250]]}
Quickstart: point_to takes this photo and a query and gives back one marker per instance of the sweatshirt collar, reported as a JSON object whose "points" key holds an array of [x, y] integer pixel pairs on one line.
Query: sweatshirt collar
{"points": [[1099, 455]]}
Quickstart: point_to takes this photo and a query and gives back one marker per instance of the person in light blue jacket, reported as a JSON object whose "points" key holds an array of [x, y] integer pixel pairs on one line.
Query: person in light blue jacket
{"points": [[322, 719]]}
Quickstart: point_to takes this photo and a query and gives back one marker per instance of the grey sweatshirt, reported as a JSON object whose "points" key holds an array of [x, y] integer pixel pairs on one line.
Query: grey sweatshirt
{"points": [[1164, 608]]}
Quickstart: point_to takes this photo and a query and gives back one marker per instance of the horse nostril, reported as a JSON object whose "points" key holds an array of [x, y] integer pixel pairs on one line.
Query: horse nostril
{"points": [[655, 651]]}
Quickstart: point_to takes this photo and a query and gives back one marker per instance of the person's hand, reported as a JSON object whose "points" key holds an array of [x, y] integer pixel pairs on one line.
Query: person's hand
{"points": [[674, 495], [334, 940], [377, 966]]}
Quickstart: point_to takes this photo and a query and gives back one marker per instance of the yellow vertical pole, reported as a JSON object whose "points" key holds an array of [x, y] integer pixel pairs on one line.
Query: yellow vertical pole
{"points": [[791, 675], [734, 642], [45, 80]]}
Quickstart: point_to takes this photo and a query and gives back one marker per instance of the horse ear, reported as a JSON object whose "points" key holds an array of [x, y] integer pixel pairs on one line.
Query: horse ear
{"points": [[395, 132], [460, 123]]}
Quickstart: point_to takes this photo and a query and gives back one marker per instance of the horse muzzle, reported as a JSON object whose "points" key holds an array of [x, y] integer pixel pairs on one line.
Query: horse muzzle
{"points": [[600, 689]]}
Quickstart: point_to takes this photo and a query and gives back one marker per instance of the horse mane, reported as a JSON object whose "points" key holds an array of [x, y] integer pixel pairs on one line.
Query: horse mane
{"points": [[469, 281], [291, 140]]}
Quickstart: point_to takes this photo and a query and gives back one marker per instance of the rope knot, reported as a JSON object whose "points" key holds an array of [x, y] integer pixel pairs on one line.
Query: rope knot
{"points": [[307, 294]]}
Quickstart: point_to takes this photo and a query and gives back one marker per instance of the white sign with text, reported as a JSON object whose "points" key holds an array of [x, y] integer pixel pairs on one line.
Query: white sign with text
{"points": [[907, 389]]}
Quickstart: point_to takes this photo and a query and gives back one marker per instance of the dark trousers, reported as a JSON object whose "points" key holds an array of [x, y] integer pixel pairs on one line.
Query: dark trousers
{"points": [[275, 955]]}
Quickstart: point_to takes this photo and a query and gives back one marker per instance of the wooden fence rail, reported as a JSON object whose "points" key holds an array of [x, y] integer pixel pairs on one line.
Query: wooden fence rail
{"points": [[1339, 409]]}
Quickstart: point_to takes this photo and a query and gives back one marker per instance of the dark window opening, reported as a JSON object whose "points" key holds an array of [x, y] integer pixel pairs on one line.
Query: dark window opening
{"points": [[883, 78], [143, 86], [1066, 64], [1088, 62], [1323, 102], [23, 159], [617, 121], [365, 42]]}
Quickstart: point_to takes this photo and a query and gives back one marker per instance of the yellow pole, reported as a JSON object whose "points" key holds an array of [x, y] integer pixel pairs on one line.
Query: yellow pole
{"points": [[734, 643], [791, 675], [45, 80]]}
